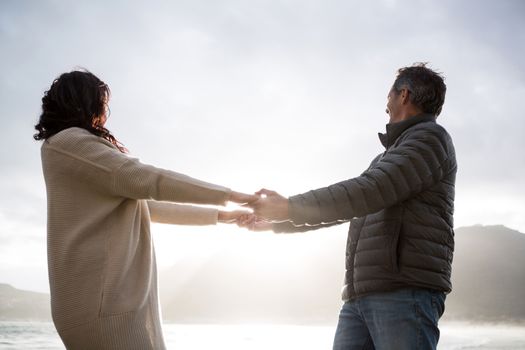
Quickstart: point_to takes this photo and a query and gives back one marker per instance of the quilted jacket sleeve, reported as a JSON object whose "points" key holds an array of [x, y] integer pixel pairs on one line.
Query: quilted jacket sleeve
{"points": [[413, 165], [289, 227]]}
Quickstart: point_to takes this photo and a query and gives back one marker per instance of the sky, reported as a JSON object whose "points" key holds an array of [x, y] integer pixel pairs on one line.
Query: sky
{"points": [[283, 94]]}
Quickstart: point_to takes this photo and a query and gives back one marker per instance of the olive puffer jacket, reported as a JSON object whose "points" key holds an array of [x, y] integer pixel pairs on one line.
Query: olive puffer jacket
{"points": [[401, 211]]}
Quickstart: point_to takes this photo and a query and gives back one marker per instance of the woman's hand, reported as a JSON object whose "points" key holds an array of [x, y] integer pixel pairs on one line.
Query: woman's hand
{"points": [[253, 223], [242, 198], [230, 217]]}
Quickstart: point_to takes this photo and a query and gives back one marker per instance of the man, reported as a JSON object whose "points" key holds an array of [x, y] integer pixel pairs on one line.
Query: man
{"points": [[401, 238]]}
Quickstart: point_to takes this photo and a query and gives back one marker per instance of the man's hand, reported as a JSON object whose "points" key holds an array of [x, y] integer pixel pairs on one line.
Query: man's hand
{"points": [[253, 223], [270, 206]]}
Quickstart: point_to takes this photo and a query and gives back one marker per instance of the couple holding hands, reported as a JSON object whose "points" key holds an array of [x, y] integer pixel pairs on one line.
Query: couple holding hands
{"points": [[100, 202]]}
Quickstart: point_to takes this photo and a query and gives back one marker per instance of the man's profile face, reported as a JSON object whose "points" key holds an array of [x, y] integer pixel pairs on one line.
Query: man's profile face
{"points": [[391, 104]]}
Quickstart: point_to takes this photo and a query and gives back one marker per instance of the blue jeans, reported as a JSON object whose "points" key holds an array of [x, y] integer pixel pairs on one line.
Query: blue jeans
{"points": [[404, 319]]}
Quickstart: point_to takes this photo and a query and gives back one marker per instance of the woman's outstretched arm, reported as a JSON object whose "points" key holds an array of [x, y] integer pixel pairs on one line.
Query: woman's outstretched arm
{"points": [[183, 214]]}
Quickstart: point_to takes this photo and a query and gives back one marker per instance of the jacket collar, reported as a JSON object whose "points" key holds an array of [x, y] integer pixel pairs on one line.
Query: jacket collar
{"points": [[394, 130]]}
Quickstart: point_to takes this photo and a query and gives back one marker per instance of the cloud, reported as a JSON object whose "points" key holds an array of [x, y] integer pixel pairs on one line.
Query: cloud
{"points": [[283, 94]]}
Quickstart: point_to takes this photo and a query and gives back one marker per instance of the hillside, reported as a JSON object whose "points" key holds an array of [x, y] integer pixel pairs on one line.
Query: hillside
{"points": [[488, 274], [18, 304], [297, 279], [235, 288], [488, 281]]}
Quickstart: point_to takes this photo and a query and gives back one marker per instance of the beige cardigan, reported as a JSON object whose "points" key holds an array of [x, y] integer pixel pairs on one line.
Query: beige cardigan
{"points": [[101, 261]]}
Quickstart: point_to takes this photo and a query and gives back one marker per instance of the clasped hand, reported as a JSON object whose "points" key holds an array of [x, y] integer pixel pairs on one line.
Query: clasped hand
{"points": [[268, 207]]}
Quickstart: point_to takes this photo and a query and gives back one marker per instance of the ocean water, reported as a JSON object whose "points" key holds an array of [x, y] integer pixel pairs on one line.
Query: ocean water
{"points": [[454, 336]]}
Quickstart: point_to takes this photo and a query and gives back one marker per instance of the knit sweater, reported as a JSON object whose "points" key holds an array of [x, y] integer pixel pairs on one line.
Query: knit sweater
{"points": [[101, 260]]}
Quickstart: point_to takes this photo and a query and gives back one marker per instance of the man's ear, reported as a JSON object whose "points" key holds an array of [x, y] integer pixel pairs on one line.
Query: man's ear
{"points": [[405, 96]]}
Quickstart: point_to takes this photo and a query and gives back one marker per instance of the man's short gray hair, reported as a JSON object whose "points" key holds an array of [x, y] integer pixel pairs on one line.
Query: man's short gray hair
{"points": [[426, 88]]}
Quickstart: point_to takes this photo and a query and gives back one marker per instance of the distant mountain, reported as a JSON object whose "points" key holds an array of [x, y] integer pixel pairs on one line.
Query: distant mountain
{"points": [[297, 279], [234, 288], [488, 281], [289, 279], [16, 304], [488, 274]]}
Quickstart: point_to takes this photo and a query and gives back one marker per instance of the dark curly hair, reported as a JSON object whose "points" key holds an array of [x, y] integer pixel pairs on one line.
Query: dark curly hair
{"points": [[76, 99], [427, 88]]}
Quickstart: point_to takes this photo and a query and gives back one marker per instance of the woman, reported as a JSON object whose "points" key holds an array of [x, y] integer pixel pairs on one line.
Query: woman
{"points": [[102, 269]]}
